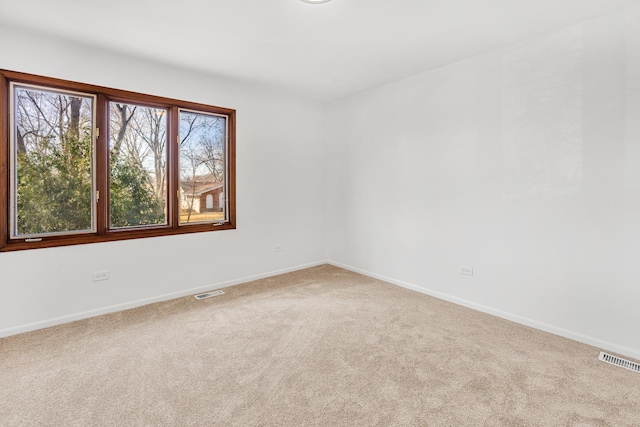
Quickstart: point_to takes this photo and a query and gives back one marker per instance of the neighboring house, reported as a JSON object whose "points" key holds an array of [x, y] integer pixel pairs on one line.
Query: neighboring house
{"points": [[201, 197]]}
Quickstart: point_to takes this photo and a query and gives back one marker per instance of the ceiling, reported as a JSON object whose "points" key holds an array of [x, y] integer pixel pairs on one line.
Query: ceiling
{"points": [[323, 51]]}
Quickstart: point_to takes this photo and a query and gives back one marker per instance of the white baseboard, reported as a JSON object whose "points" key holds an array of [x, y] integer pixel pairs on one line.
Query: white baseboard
{"points": [[133, 304], [605, 345]]}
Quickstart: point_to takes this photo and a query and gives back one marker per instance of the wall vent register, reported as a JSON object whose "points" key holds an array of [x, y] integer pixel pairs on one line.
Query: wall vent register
{"points": [[623, 363]]}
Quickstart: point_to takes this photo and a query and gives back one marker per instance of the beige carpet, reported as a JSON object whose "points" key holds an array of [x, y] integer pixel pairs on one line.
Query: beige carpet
{"points": [[318, 347]]}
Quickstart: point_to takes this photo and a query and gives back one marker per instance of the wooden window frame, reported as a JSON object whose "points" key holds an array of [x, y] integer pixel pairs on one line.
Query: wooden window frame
{"points": [[103, 233]]}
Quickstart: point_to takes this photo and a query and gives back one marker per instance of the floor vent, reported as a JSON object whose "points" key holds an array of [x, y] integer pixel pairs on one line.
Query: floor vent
{"points": [[209, 294], [623, 363]]}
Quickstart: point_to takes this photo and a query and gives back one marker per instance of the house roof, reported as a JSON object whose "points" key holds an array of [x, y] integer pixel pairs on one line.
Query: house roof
{"points": [[198, 188]]}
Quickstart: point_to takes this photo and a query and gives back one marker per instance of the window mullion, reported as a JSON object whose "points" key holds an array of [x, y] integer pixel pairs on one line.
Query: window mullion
{"points": [[101, 147], [173, 154]]}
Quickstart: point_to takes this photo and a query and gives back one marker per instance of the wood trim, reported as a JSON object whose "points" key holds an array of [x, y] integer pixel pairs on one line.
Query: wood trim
{"points": [[114, 94], [4, 161], [103, 233], [173, 163], [231, 185], [102, 165], [114, 235]]}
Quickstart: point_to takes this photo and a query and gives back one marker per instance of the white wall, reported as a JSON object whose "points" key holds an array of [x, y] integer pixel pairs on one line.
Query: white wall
{"points": [[280, 196], [523, 163]]}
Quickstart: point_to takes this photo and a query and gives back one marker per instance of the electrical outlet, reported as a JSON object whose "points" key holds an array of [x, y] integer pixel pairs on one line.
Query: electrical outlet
{"points": [[277, 248], [99, 276], [466, 271]]}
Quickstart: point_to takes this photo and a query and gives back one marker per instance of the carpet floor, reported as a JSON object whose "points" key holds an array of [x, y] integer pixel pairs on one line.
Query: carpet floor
{"points": [[317, 347]]}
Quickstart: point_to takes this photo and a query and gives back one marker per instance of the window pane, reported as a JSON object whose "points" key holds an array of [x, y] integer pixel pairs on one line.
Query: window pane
{"points": [[202, 167], [138, 165], [52, 162]]}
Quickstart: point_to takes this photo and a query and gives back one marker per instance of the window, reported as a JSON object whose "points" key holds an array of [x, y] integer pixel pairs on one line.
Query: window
{"points": [[52, 182], [88, 164], [137, 165], [202, 164]]}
